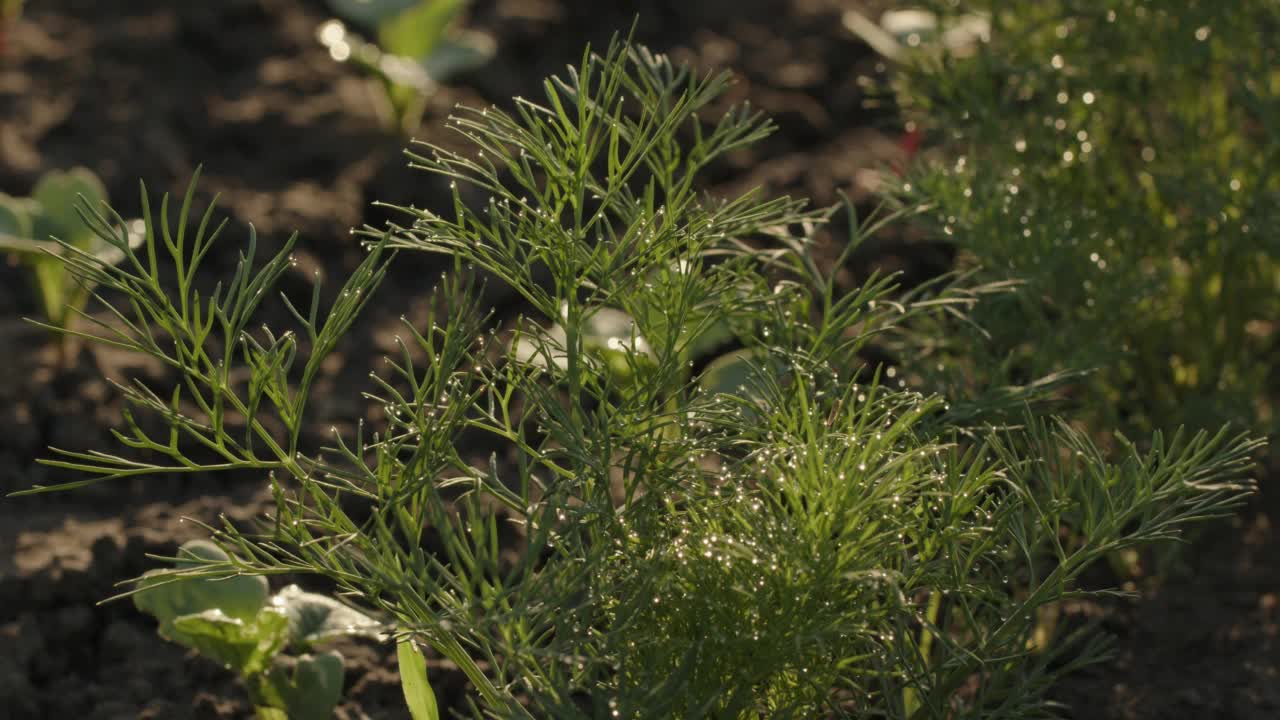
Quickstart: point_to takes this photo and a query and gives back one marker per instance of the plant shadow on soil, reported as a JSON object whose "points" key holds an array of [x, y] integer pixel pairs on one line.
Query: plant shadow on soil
{"points": [[149, 89]]}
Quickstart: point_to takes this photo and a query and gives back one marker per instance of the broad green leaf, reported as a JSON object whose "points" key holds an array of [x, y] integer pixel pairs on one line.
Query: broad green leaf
{"points": [[58, 193], [244, 646], [418, 694], [737, 372], [308, 688], [417, 31], [611, 335], [51, 280], [27, 224], [607, 333], [370, 13], [452, 56], [15, 217], [168, 597], [716, 333], [28, 247], [25, 247], [76, 297], [315, 618], [536, 344]]}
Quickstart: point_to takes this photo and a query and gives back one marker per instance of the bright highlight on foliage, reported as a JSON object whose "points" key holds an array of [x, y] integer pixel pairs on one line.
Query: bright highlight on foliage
{"points": [[205, 605]]}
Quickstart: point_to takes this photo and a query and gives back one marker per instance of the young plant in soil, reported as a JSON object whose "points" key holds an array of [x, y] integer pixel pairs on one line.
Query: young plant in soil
{"points": [[417, 46], [40, 229], [809, 538], [1121, 160], [233, 622]]}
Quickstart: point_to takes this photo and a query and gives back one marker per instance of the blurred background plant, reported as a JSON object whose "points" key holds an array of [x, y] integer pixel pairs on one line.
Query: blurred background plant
{"points": [[1121, 161], [10, 11], [417, 45], [42, 228]]}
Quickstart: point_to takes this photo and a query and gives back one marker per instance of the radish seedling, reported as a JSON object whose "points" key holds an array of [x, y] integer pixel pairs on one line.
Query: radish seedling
{"points": [[227, 617], [42, 228], [416, 47]]}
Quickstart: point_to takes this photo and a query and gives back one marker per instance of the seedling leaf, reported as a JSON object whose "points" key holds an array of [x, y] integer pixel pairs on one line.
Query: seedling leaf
{"points": [[315, 618], [413, 679], [244, 646], [736, 373], [307, 689], [452, 56], [57, 194], [15, 217], [168, 595], [370, 13], [418, 30]]}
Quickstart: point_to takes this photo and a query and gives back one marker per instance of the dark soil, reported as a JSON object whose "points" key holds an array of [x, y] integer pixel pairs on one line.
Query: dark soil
{"points": [[288, 139], [1207, 643]]}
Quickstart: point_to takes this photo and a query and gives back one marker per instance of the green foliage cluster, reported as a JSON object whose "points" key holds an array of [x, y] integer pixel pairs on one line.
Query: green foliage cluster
{"points": [[1121, 160], [806, 536], [230, 619], [417, 45]]}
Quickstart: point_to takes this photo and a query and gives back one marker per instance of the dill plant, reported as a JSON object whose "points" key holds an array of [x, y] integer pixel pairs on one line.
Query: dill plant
{"points": [[816, 540], [1121, 160]]}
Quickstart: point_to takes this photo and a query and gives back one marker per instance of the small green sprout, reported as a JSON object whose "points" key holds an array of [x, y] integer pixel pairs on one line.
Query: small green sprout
{"points": [[44, 228], [417, 47], [230, 619]]}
